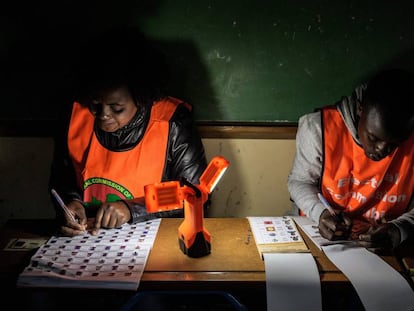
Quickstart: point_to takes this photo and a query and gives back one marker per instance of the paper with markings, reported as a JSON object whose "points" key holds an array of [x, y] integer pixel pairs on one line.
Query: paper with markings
{"points": [[114, 259], [276, 234], [312, 231]]}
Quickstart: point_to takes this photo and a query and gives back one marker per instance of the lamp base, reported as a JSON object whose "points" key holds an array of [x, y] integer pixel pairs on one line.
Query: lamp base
{"points": [[201, 247]]}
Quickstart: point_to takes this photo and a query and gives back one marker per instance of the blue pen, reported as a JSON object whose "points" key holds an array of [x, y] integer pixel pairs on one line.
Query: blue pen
{"points": [[327, 205]]}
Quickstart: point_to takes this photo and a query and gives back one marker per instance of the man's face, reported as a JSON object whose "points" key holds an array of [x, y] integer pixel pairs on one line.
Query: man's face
{"points": [[375, 140]]}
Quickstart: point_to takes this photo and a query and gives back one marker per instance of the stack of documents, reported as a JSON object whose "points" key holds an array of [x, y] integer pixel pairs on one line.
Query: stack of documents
{"points": [[283, 251], [276, 235], [113, 259]]}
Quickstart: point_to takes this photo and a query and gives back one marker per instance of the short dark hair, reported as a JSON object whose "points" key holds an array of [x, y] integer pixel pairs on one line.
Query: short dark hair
{"points": [[391, 91]]}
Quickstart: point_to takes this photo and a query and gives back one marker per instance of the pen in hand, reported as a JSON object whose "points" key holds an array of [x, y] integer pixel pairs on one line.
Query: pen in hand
{"points": [[63, 205], [328, 206], [342, 228]]}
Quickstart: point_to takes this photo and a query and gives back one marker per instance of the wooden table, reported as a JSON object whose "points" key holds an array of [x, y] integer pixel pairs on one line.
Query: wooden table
{"points": [[234, 264]]}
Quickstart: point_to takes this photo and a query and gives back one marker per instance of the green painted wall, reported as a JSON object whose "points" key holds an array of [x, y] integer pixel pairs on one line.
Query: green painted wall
{"points": [[244, 60]]}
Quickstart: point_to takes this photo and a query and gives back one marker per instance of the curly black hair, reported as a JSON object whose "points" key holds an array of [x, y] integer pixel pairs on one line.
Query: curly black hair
{"points": [[121, 57]]}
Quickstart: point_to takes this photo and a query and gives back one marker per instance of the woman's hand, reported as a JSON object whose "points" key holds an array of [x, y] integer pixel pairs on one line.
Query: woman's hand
{"points": [[334, 227], [111, 215], [71, 228]]}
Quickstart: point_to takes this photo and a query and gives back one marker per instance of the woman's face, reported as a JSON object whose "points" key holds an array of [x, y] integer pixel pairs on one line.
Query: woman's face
{"points": [[113, 109]]}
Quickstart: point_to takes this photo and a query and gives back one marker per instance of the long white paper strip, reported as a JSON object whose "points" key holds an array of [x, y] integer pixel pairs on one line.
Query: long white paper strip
{"points": [[292, 282], [379, 286]]}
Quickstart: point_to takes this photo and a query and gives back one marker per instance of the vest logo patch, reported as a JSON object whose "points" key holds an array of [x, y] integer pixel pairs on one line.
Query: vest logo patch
{"points": [[98, 190]]}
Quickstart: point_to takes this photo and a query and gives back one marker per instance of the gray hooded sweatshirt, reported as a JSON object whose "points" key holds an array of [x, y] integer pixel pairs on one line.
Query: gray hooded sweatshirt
{"points": [[306, 172]]}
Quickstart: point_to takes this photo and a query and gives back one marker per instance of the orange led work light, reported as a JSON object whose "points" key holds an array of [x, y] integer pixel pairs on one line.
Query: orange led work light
{"points": [[194, 239]]}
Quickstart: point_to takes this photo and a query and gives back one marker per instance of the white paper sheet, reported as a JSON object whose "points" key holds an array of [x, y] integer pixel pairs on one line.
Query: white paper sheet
{"points": [[379, 286], [292, 282]]}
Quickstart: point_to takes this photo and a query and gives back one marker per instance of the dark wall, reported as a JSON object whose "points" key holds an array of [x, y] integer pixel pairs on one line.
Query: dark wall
{"points": [[251, 60]]}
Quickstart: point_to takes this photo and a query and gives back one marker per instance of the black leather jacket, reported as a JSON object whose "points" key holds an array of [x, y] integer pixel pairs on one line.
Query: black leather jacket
{"points": [[185, 158]]}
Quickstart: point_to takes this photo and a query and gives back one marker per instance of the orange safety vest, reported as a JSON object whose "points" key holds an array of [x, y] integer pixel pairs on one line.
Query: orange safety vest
{"points": [[107, 176], [374, 190]]}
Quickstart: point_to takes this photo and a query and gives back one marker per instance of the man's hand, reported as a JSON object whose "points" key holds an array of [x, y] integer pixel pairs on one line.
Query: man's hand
{"points": [[336, 227], [385, 237]]}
